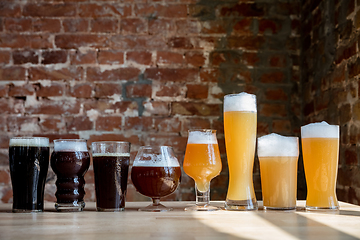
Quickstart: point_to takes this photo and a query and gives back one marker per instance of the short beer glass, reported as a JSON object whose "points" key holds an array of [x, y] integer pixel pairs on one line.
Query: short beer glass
{"points": [[29, 162], [70, 161], [240, 119], [202, 163], [320, 147], [278, 157], [111, 165]]}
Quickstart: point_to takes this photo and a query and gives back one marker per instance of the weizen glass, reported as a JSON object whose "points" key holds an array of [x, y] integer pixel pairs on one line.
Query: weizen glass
{"points": [[320, 147], [70, 161], [278, 157], [240, 119], [29, 162], [156, 173], [202, 163], [111, 165]]}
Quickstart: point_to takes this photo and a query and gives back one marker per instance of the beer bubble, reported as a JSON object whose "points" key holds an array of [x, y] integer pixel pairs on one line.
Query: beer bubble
{"points": [[70, 145], [29, 141], [275, 145], [243, 102], [202, 137], [320, 130]]}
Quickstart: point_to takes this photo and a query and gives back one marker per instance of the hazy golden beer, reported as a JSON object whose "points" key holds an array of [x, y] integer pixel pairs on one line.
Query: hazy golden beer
{"points": [[320, 146], [240, 119], [278, 157]]}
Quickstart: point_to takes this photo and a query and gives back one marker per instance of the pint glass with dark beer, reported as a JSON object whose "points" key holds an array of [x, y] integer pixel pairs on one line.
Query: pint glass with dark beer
{"points": [[29, 162], [111, 165], [70, 161]]}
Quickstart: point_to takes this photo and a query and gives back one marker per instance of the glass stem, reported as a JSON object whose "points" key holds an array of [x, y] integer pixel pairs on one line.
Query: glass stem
{"points": [[202, 198], [156, 201]]}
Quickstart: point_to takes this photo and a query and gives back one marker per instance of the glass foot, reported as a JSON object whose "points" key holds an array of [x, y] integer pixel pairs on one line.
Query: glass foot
{"points": [[202, 208], [155, 208], [70, 207]]}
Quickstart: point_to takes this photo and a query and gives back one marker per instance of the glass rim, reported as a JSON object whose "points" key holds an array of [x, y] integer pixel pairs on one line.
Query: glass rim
{"points": [[25, 137], [202, 130], [110, 142], [70, 140]]}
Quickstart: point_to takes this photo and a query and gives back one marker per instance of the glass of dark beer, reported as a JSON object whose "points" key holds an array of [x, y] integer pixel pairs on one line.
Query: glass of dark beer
{"points": [[111, 166], [70, 161], [156, 173], [29, 162]]}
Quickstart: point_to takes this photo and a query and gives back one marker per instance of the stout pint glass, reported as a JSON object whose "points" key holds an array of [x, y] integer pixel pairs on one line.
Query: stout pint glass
{"points": [[320, 146], [240, 137]]}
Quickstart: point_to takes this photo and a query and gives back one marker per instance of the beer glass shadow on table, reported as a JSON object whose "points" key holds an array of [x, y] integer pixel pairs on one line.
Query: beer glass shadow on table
{"points": [[202, 163], [29, 162], [70, 161], [320, 147], [240, 120], [278, 157], [156, 173], [111, 165]]}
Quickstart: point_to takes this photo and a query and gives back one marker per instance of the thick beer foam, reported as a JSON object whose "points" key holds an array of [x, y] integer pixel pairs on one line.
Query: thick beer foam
{"points": [[200, 137], [31, 142], [320, 130], [243, 102], [72, 146], [275, 145], [156, 160], [111, 154]]}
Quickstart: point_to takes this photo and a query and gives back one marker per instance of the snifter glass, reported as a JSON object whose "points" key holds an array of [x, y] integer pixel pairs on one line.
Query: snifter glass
{"points": [[156, 173], [202, 163]]}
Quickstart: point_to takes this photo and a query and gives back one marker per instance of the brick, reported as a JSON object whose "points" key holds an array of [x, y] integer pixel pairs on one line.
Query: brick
{"points": [[10, 9], [138, 90], [52, 124], [345, 114], [168, 124], [5, 107], [47, 25], [166, 57], [40, 41], [245, 42], [109, 123], [140, 57], [158, 10], [93, 10], [187, 27], [241, 10], [55, 89], [196, 123], [322, 101], [218, 26], [133, 26], [110, 57], [14, 41], [49, 10], [105, 90], [209, 74], [196, 59], [273, 110], [250, 59], [7, 195], [53, 136], [160, 26], [20, 91], [133, 139], [104, 25], [24, 124], [177, 143], [356, 111], [18, 24], [75, 41], [95, 74], [155, 108], [278, 61], [5, 57], [197, 109], [354, 135], [50, 73], [169, 91], [76, 25], [242, 27], [273, 77], [262, 128], [12, 73], [54, 107], [351, 156], [197, 91], [4, 90], [137, 42], [78, 57], [22, 57], [172, 74], [225, 57], [181, 43], [344, 53], [4, 177], [281, 126], [103, 106], [81, 90], [139, 123], [80, 123], [276, 94], [54, 57]]}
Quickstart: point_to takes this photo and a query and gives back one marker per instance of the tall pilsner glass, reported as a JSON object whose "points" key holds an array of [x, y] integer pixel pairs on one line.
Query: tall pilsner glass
{"points": [[320, 146], [240, 119]]}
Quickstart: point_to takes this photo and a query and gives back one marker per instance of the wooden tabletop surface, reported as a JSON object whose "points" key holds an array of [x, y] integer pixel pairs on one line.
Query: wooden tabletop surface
{"points": [[178, 224]]}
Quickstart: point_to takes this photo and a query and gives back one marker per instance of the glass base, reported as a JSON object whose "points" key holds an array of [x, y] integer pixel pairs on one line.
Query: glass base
{"points": [[110, 209], [26, 210], [332, 208], [279, 208], [70, 207], [202, 208], [241, 205], [155, 208]]}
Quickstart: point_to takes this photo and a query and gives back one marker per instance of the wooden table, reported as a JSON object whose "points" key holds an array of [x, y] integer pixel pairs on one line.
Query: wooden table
{"points": [[178, 224]]}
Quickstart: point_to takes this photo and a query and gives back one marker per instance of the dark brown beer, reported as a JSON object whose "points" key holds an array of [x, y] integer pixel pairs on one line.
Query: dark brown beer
{"points": [[111, 175], [28, 170], [155, 182]]}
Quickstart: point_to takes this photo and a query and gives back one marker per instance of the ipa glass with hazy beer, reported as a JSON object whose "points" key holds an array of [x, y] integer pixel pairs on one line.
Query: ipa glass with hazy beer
{"points": [[240, 120], [320, 146], [202, 163], [278, 157]]}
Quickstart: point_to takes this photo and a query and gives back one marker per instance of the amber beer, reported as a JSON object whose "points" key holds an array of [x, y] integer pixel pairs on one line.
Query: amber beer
{"points": [[320, 146], [240, 119], [278, 157]]}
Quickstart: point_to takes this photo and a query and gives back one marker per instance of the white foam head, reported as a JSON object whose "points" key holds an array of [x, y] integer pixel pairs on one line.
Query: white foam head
{"points": [[320, 130], [275, 145], [202, 137], [29, 142], [111, 154], [163, 158], [243, 102], [70, 145]]}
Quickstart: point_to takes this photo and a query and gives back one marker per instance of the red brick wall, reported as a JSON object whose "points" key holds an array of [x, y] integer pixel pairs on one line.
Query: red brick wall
{"points": [[330, 73], [145, 72]]}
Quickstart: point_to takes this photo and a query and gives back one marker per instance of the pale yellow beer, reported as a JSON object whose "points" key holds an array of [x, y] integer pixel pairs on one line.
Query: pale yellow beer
{"points": [[320, 146], [240, 119]]}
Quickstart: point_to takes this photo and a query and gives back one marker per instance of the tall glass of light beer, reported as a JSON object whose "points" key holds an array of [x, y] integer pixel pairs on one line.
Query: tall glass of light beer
{"points": [[320, 146], [240, 119], [278, 157]]}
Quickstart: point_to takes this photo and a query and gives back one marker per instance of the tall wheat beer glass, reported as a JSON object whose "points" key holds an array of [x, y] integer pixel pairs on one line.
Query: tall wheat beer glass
{"points": [[320, 146], [240, 137]]}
